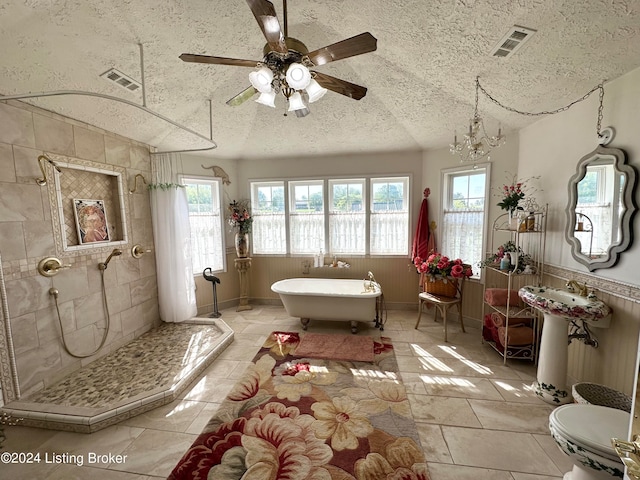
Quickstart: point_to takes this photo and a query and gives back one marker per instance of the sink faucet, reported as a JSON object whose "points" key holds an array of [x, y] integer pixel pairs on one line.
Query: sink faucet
{"points": [[582, 288]]}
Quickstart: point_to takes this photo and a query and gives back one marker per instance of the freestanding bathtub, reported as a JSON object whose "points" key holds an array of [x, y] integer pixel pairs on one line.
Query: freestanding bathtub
{"points": [[328, 299]]}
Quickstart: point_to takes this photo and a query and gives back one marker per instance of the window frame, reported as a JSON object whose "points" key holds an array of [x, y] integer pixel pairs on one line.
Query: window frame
{"points": [[326, 181], [186, 179], [446, 180]]}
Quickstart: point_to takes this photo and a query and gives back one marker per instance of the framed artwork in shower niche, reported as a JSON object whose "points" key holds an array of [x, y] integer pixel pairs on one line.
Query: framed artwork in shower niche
{"points": [[91, 221]]}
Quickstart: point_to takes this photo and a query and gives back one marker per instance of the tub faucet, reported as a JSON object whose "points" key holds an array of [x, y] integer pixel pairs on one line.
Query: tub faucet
{"points": [[572, 285], [116, 252]]}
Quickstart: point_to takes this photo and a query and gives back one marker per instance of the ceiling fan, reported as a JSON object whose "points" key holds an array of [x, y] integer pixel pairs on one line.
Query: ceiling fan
{"points": [[286, 65]]}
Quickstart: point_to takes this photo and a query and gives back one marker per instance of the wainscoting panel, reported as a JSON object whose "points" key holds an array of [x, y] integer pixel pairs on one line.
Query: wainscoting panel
{"points": [[613, 363]]}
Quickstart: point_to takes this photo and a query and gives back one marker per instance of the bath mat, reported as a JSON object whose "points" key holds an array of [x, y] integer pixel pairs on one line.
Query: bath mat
{"points": [[295, 418], [336, 347]]}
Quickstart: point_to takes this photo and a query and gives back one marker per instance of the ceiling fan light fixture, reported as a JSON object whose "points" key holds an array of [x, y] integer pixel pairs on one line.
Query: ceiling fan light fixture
{"points": [[315, 91], [298, 76], [267, 98], [296, 102], [261, 79]]}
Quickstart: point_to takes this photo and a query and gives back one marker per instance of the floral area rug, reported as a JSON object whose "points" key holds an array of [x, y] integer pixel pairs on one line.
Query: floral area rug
{"points": [[293, 417]]}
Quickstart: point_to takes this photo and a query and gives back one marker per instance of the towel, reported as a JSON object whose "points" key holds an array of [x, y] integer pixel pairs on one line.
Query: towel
{"points": [[499, 320], [520, 335], [498, 297]]}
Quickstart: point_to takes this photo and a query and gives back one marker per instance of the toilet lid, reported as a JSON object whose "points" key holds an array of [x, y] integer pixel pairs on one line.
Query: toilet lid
{"points": [[592, 426]]}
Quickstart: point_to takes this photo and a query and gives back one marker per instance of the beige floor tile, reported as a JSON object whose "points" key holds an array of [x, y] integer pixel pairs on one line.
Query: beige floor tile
{"points": [[208, 388], [442, 471], [201, 421], [517, 391], [514, 417], [463, 387], [433, 444], [551, 448], [155, 453], [498, 450], [442, 410], [530, 476], [175, 416]]}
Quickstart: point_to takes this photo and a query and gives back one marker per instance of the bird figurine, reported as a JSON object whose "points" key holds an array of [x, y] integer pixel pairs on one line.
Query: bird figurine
{"points": [[219, 172]]}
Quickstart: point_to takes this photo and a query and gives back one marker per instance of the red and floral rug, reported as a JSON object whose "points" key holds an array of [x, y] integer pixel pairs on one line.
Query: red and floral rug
{"points": [[298, 418]]}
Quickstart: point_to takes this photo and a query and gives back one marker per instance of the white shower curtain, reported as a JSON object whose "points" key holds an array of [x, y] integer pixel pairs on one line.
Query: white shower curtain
{"points": [[170, 217]]}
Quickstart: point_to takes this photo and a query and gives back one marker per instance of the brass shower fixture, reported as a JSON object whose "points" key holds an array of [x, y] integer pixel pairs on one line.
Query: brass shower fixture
{"points": [[43, 181], [135, 182], [115, 253], [50, 266], [138, 250]]}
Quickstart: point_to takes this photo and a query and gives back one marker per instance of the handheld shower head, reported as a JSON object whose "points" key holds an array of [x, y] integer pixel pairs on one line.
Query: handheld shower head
{"points": [[116, 252]]}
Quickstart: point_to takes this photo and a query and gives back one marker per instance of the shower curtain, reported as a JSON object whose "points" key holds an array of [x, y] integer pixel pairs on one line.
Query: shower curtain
{"points": [[170, 218]]}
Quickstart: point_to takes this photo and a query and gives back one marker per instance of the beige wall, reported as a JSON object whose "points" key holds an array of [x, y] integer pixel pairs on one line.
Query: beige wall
{"points": [[27, 235]]}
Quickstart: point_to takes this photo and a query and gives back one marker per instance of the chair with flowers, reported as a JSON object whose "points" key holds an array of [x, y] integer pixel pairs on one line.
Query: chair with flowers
{"points": [[443, 283]]}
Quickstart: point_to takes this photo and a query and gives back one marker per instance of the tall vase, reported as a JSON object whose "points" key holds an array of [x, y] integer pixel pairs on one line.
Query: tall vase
{"points": [[242, 245]]}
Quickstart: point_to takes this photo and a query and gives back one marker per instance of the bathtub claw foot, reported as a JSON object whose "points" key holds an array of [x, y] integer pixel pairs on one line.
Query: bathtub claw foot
{"points": [[354, 327], [305, 323]]}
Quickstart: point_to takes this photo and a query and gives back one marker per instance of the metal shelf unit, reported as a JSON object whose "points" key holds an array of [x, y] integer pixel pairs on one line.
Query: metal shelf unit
{"points": [[530, 239]]}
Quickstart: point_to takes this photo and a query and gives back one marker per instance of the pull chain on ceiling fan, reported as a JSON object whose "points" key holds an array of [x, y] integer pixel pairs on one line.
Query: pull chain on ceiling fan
{"points": [[286, 65]]}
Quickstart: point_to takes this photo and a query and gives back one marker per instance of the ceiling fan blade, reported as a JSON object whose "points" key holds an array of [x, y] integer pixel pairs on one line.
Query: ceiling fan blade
{"points": [[189, 57], [265, 14], [242, 97], [340, 86], [363, 43]]}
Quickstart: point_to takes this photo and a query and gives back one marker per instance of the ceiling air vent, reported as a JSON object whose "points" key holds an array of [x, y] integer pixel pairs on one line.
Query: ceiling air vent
{"points": [[512, 41], [124, 81]]}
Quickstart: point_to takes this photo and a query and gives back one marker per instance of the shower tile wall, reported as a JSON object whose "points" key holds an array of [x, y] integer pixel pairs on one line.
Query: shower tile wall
{"points": [[26, 236]]}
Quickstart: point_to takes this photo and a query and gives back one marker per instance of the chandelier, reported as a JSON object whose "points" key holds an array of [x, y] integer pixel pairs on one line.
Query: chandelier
{"points": [[476, 144], [289, 75]]}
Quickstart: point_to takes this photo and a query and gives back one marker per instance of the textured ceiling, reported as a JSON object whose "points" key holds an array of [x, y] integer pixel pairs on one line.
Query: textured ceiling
{"points": [[420, 80]]}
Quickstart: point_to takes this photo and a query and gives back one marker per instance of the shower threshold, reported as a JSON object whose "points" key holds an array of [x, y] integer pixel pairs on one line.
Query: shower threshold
{"points": [[148, 372]]}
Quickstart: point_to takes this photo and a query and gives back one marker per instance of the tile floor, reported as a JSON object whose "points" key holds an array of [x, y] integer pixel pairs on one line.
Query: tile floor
{"points": [[477, 418]]}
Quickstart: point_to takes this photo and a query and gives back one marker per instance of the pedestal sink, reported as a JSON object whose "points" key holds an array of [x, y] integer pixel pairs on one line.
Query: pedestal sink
{"points": [[559, 307]]}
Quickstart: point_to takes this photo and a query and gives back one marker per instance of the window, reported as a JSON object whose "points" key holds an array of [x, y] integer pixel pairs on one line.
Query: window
{"points": [[334, 216], [269, 233], [464, 200], [306, 216], [347, 216], [389, 216], [206, 222]]}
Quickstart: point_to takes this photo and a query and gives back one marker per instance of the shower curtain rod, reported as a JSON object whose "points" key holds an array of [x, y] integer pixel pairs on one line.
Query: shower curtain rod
{"points": [[128, 102]]}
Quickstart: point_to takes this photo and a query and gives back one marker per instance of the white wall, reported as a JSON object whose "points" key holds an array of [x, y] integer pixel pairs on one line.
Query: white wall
{"points": [[552, 148]]}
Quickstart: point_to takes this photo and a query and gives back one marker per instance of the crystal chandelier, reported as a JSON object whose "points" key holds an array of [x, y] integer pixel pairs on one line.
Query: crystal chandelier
{"points": [[476, 144]]}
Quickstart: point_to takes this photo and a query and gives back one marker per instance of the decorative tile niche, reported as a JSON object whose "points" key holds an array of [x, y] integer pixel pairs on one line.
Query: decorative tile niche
{"points": [[82, 179]]}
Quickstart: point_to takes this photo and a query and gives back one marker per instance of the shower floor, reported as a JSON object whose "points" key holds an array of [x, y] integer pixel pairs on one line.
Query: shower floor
{"points": [[148, 372]]}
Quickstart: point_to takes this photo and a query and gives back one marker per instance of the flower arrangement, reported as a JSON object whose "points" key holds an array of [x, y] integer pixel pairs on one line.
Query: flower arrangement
{"points": [[239, 216], [512, 194], [440, 267]]}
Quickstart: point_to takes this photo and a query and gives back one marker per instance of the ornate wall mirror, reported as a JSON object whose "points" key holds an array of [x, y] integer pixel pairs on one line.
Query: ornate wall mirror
{"points": [[601, 207]]}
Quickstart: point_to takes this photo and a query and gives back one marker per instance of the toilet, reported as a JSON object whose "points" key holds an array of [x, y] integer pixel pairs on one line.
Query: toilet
{"points": [[583, 432]]}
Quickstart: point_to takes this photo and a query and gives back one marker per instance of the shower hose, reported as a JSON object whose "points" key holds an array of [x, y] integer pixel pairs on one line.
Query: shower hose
{"points": [[54, 292]]}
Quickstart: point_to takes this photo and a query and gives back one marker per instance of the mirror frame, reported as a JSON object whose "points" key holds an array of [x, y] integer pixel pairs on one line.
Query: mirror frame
{"points": [[628, 199]]}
